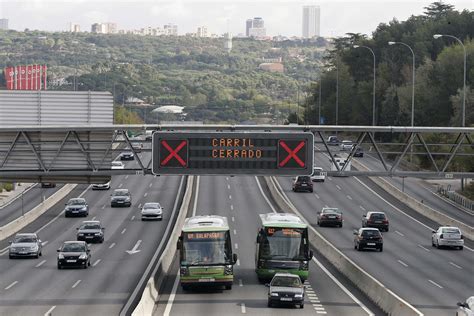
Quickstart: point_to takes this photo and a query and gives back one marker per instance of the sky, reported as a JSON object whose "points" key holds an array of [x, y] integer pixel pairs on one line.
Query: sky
{"points": [[282, 17]]}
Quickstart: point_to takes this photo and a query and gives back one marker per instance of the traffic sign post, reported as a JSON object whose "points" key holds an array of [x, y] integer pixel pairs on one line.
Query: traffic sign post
{"points": [[232, 153]]}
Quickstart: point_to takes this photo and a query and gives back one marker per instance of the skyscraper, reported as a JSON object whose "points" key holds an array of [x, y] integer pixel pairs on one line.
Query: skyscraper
{"points": [[311, 21], [255, 27], [248, 26], [3, 24]]}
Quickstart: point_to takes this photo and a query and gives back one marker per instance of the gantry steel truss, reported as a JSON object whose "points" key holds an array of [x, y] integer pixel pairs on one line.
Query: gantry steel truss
{"points": [[84, 153]]}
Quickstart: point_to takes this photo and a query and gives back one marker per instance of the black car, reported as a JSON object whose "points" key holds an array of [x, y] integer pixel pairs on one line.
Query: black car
{"points": [[303, 183], [74, 254], [330, 216], [48, 184], [76, 207], [127, 155], [286, 288], [91, 231], [121, 197], [376, 220], [368, 238], [333, 141], [359, 152]]}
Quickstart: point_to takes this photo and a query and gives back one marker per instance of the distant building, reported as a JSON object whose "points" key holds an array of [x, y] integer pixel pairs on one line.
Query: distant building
{"points": [[171, 29], [272, 67], [201, 31], [104, 28], [256, 29], [248, 26], [3, 24], [110, 28], [228, 42], [311, 21], [74, 28]]}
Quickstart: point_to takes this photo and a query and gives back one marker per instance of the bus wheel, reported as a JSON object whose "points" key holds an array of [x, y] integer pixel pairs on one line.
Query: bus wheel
{"points": [[228, 287]]}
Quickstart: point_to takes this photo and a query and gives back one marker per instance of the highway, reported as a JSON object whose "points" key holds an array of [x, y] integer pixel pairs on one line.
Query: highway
{"points": [[37, 287], [240, 199], [433, 280]]}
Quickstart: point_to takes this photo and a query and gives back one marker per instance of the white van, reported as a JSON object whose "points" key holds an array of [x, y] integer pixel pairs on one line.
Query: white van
{"points": [[340, 160]]}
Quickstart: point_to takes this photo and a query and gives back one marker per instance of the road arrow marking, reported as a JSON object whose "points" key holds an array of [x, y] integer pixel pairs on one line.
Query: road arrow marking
{"points": [[135, 248]]}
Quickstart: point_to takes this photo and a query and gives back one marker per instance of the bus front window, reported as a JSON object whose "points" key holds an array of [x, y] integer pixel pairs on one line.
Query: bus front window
{"points": [[198, 250], [283, 244]]}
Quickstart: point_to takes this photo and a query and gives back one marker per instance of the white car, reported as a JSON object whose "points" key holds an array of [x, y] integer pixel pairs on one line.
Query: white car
{"points": [[346, 145], [99, 186], [318, 175], [447, 236], [117, 165], [152, 210], [467, 308]]}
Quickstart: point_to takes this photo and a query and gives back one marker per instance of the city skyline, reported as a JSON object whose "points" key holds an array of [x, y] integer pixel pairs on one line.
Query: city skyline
{"points": [[281, 17]]}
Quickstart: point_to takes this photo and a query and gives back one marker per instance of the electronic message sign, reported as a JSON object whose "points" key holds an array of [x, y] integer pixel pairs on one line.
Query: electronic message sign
{"points": [[214, 153]]}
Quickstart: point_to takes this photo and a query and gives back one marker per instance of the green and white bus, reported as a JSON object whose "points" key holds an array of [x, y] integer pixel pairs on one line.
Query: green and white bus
{"points": [[282, 246], [205, 252]]}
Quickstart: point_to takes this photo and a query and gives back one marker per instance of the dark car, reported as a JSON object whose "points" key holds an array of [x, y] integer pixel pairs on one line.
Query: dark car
{"points": [[91, 231], [368, 238], [25, 245], [48, 184], [303, 183], [330, 216], [121, 197], [127, 155], [375, 220], [333, 141], [359, 152], [76, 207], [286, 288], [74, 254]]}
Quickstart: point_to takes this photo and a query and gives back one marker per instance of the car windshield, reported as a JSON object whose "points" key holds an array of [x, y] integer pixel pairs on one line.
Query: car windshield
{"points": [[151, 206], [73, 248], [370, 233], [120, 193], [24, 239], [89, 226], [450, 231], [76, 202], [377, 216], [286, 281]]}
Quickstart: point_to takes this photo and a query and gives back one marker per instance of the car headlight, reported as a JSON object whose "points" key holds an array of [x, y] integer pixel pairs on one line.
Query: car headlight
{"points": [[183, 271], [34, 248], [80, 234], [98, 234], [60, 256], [127, 199], [228, 269], [83, 208], [299, 295], [83, 256], [274, 294]]}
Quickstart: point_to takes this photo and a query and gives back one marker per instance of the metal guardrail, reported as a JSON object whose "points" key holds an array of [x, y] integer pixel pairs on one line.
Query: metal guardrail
{"points": [[456, 197]]}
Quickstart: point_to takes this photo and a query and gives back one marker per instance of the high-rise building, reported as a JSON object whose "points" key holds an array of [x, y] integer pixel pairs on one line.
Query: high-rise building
{"points": [[228, 42], [311, 21], [3, 24], [74, 28], [248, 26], [201, 31], [104, 28], [256, 28], [171, 29], [110, 28]]}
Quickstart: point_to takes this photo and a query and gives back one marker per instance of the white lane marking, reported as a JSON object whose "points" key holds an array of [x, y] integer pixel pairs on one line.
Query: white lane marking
{"points": [[402, 263], [424, 248], [97, 262], [319, 308], [235, 232], [169, 304], [146, 193], [329, 178], [40, 264], [150, 185], [399, 210], [196, 195], [455, 265], [60, 213], [44, 243], [93, 218], [228, 186], [242, 308], [140, 205], [103, 206], [317, 196], [112, 245], [227, 178], [238, 262], [236, 246], [126, 177], [230, 197], [321, 312], [232, 207], [133, 217], [362, 208], [338, 187], [318, 305], [11, 285], [349, 197], [123, 231], [241, 283], [120, 185], [399, 233], [264, 196], [436, 284], [76, 284], [48, 313], [233, 218]]}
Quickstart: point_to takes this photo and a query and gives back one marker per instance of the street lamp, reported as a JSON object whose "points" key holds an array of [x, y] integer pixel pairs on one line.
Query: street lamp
{"points": [[463, 122], [319, 101], [413, 81], [373, 93], [337, 90]]}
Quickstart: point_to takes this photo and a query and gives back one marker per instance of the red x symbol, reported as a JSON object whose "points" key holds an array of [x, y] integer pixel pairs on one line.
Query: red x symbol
{"points": [[292, 153], [173, 153]]}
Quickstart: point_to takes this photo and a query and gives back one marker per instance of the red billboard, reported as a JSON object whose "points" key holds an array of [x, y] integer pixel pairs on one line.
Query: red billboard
{"points": [[29, 77]]}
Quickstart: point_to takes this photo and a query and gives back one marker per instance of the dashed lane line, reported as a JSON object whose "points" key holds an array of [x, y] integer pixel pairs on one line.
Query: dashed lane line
{"points": [[97, 262], [349, 197], [338, 187], [241, 283], [49, 312], [242, 308], [399, 233], [76, 284], [230, 197], [434, 283], [402, 263], [123, 231], [455, 265], [231, 207], [40, 264], [236, 246], [11, 285], [426, 249], [235, 232], [112, 245]]}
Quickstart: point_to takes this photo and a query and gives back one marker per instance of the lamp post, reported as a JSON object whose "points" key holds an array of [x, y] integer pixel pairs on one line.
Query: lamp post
{"points": [[319, 102], [337, 90], [373, 92], [413, 81], [463, 119]]}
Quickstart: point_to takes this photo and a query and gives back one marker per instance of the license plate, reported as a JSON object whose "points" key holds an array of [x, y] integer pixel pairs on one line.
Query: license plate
{"points": [[286, 299], [22, 252], [332, 217], [75, 212], [70, 260], [378, 222], [119, 202], [370, 244], [89, 236], [304, 184], [207, 280]]}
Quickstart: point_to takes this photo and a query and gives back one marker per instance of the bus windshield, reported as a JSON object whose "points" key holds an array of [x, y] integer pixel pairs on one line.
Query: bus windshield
{"points": [[206, 248], [283, 243]]}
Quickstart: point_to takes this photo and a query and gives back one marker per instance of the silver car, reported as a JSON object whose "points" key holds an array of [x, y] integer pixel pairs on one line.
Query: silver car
{"points": [[152, 210], [467, 308], [25, 245], [447, 236]]}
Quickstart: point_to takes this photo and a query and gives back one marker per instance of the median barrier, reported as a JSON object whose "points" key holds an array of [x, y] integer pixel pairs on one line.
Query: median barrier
{"points": [[151, 293], [22, 221], [418, 206], [387, 300]]}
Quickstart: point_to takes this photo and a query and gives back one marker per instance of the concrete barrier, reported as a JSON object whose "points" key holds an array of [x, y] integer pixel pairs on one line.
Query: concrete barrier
{"points": [[418, 206], [387, 300], [22, 221], [151, 294]]}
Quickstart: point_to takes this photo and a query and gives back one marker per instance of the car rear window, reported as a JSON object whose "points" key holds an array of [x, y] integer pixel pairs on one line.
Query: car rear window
{"points": [[370, 233], [451, 231], [377, 216], [73, 248], [304, 178]]}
